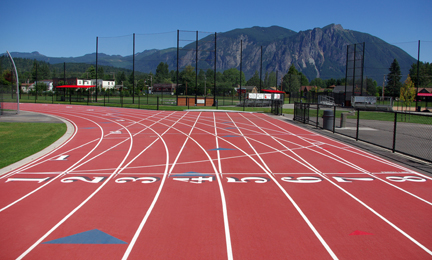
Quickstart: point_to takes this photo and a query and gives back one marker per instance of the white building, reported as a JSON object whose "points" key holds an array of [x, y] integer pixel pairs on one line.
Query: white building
{"points": [[28, 87], [105, 84]]}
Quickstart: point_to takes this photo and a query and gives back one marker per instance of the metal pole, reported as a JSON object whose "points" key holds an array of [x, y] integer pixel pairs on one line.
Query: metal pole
{"points": [[346, 75], [196, 69], [241, 53], [261, 72], [178, 34], [64, 79], [354, 71], [214, 86], [277, 80], [133, 71], [418, 74], [36, 81], [358, 124], [97, 45], [394, 132], [17, 81], [362, 70]]}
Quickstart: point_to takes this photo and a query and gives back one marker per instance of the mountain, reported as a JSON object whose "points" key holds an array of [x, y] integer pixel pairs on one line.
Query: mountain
{"points": [[319, 52]]}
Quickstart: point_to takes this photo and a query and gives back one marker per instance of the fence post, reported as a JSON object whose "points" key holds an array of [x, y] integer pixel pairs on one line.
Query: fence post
{"points": [[139, 98], [358, 123], [334, 118], [157, 102], [104, 98], [394, 132]]}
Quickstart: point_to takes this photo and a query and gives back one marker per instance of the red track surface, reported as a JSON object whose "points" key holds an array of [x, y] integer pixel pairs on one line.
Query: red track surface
{"points": [[204, 185]]}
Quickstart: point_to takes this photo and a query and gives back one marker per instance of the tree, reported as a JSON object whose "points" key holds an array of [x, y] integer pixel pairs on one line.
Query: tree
{"points": [[6, 78], [291, 81], [318, 82], [269, 80], [187, 77], [140, 87], [120, 78], [407, 92], [90, 73], [162, 73], [101, 73], [254, 80], [371, 87], [202, 82], [40, 87], [393, 80], [425, 73], [232, 76], [303, 80]]}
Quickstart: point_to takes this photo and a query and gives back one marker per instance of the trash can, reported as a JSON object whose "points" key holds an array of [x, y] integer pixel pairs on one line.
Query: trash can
{"points": [[328, 119]]}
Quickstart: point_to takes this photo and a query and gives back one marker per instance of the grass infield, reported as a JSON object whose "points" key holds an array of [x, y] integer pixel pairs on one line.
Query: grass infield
{"points": [[20, 140]]}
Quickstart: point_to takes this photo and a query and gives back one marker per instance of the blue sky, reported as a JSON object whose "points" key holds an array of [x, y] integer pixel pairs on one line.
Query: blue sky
{"points": [[69, 28]]}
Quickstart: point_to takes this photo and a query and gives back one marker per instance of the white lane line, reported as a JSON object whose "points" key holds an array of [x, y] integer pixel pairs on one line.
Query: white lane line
{"points": [[223, 200], [305, 218], [82, 203], [251, 146], [183, 146], [375, 212], [150, 209], [148, 146], [36, 162], [350, 164], [60, 175], [224, 207], [217, 146]]}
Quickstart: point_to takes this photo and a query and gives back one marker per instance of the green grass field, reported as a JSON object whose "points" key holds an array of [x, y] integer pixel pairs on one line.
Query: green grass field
{"points": [[20, 140]]}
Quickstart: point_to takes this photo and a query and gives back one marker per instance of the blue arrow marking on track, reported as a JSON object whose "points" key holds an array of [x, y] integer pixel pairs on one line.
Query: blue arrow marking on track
{"points": [[230, 128], [221, 149], [94, 236], [231, 136]]}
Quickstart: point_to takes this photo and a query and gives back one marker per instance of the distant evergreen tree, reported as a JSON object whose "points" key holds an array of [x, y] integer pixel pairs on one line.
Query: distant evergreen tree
{"points": [[254, 80], [425, 73], [291, 81], [393, 80]]}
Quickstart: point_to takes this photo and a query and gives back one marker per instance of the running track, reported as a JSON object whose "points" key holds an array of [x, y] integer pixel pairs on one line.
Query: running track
{"points": [[138, 184]]}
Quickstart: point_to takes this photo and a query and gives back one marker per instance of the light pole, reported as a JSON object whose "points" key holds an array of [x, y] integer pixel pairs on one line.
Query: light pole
{"points": [[205, 85]]}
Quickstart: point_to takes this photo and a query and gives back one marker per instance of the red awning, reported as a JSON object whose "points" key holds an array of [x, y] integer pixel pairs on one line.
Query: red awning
{"points": [[424, 94], [76, 86], [272, 91]]}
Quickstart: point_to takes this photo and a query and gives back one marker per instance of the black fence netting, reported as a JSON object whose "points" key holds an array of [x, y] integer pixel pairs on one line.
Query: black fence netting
{"points": [[407, 133], [413, 135], [8, 100]]}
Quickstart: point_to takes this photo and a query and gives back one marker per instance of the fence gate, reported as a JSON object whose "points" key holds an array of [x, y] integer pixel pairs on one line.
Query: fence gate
{"points": [[301, 112]]}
